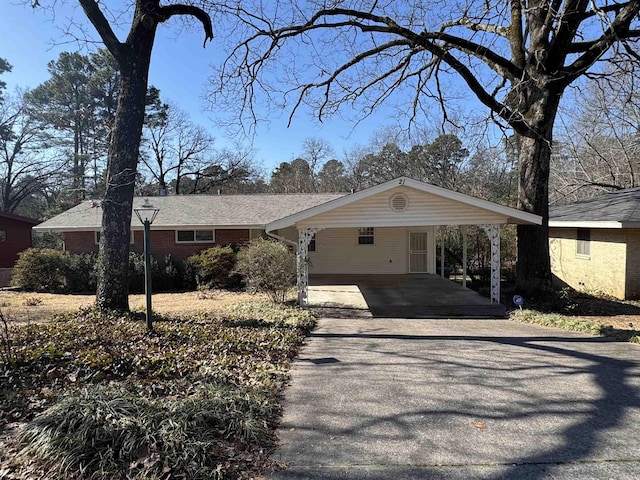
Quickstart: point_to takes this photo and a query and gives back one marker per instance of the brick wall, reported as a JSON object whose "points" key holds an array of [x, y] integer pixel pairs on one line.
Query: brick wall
{"points": [[163, 242], [603, 270], [633, 264]]}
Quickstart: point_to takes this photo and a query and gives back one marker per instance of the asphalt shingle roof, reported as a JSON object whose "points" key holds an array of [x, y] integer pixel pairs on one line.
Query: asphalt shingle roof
{"points": [[618, 206], [198, 210]]}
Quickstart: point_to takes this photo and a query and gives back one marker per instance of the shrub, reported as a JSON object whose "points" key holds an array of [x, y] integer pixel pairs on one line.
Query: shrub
{"points": [[41, 269], [81, 275], [268, 266], [213, 267]]}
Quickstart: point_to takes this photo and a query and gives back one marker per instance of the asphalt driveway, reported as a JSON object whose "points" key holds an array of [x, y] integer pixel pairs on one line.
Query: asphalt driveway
{"points": [[460, 399]]}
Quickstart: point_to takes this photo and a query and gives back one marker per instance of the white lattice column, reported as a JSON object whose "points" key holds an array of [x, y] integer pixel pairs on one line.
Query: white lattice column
{"points": [[304, 238], [493, 232]]}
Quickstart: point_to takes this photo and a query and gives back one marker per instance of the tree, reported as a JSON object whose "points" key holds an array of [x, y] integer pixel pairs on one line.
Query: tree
{"points": [[75, 106], [133, 57], [175, 147], [26, 169], [599, 150], [517, 58]]}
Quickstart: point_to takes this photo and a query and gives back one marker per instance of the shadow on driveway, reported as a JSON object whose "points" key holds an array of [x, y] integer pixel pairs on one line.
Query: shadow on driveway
{"points": [[495, 399]]}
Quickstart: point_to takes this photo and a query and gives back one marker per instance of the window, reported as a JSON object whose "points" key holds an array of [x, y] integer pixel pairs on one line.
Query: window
{"points": [[365, 236], [3, 236], [193, 236], [97, 238], [312, 244], [583, 243]]}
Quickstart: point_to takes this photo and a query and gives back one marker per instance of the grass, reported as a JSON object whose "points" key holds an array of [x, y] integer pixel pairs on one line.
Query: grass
{"points": [[96, 396], [585, 312], [28, 307]]}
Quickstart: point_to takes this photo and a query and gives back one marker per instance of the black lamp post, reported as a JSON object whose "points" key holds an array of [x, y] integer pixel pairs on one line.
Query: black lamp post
{"points": [[147, 213]]}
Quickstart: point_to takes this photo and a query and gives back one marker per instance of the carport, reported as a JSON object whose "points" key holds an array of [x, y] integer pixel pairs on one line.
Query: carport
{"points": [[399, 296], [390, 230]]}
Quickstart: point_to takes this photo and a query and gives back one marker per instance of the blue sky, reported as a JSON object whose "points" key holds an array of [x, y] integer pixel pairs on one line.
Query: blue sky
{"points": [[29, 39]]}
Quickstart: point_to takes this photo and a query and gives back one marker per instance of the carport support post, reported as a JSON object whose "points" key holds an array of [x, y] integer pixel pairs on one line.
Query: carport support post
{"points": [[304, 238], [493, 232], [463, 228]]}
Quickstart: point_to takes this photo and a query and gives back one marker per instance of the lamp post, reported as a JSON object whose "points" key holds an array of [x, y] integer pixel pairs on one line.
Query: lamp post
{"points": [[147, 213]]}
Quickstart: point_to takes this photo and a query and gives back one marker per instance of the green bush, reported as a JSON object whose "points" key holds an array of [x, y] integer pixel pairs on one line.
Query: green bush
{"points": [[268, 266], [81, 274], [41, 269], [47, 270], [213, 267]]}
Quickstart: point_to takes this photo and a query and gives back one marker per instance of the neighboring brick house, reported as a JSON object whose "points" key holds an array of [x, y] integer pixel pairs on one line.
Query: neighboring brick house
{"points": [[595, 244], [15, 237]]}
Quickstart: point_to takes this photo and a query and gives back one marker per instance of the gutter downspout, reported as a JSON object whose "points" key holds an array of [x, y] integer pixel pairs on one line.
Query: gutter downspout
{"points": [[282, 239]]}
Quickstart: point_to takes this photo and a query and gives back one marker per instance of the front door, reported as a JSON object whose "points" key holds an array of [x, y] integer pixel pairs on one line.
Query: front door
{"points": [[418, 252]]}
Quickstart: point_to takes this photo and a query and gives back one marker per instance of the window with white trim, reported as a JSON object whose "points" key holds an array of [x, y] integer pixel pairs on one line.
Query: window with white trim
{"points": [[195, 236], [312, 244], [365, 236], [97, 237], [583, 242]]}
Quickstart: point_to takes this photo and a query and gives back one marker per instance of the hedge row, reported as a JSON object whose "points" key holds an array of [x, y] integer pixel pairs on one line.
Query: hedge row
{"points": [[263, 265], [55, 271]]}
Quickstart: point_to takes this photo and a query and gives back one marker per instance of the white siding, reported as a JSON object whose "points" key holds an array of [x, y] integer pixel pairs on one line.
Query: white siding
{"points": [[338, 252], [424, 209]]}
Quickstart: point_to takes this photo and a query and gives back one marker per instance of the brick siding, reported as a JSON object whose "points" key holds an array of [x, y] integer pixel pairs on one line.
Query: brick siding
{"points": [[163, 242], [633, 264], [604, 270]]}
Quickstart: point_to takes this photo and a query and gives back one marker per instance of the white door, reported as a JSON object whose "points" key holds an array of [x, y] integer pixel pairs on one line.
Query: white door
{"points": [[418, 252]]}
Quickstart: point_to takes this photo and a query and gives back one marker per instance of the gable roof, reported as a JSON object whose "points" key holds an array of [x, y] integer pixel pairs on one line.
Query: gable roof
{"points": [[19, 218], [505, 214], [195, 211], [619, 209]]}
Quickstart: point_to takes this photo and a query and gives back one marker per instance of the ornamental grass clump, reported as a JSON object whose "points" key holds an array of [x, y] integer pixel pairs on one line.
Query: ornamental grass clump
{"points": [[105, 432]]}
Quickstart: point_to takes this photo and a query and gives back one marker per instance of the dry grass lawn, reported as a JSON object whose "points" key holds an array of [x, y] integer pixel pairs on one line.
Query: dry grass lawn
{"points": [[38, 307]]}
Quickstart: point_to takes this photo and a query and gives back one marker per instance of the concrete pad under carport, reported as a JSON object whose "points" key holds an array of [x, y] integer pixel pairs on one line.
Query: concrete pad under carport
{"points": [[400, 296], [460, 399]]}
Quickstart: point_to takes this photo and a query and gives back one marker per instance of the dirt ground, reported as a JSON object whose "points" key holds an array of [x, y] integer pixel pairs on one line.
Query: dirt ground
{"points": [[37, 307]]}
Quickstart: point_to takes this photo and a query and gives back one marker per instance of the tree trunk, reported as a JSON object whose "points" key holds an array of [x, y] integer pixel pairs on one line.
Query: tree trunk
{"points": [[533, 275], [113, 264]]}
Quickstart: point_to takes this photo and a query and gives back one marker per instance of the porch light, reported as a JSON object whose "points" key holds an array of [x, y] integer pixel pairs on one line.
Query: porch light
{"points": [[147, 213]]}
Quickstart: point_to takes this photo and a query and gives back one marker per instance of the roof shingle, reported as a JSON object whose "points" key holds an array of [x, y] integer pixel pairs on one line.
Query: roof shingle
{"points": [[198, 210]]}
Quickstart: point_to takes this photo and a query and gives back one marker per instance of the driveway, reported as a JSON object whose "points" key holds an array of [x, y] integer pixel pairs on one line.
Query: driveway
{"points": [[460, 399]]}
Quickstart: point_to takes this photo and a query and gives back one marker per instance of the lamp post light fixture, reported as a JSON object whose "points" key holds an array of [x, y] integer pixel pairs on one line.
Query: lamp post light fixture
{"points": [[147, 213]]}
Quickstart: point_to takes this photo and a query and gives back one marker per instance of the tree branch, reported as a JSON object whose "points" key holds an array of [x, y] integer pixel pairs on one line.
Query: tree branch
{"points": [[170, 10], [100, 23]]}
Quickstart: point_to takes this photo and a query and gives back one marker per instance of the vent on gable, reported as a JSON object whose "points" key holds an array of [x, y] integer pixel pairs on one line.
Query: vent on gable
{"points": [[399, 202]]}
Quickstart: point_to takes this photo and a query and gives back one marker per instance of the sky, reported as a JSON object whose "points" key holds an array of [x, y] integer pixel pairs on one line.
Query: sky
{"points": [[180, 67]]}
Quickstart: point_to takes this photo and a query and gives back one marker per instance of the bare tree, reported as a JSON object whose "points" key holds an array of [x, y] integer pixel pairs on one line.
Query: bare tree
{"points": [[517, 58], [133, 57], [25, 168], [599, 149], [174, 147]]}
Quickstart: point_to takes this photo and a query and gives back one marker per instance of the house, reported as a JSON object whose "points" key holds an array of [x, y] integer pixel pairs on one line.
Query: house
{"points": [[386, 229], [15, 237], [595, 244]]}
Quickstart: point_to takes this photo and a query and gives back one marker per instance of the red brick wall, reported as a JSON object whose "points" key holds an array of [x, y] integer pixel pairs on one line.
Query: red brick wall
{"points": [[163, 242], [17, 238]]}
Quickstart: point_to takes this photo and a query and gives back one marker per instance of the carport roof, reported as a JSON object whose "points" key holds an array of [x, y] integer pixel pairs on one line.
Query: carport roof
{"points": [[506, 214]]}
